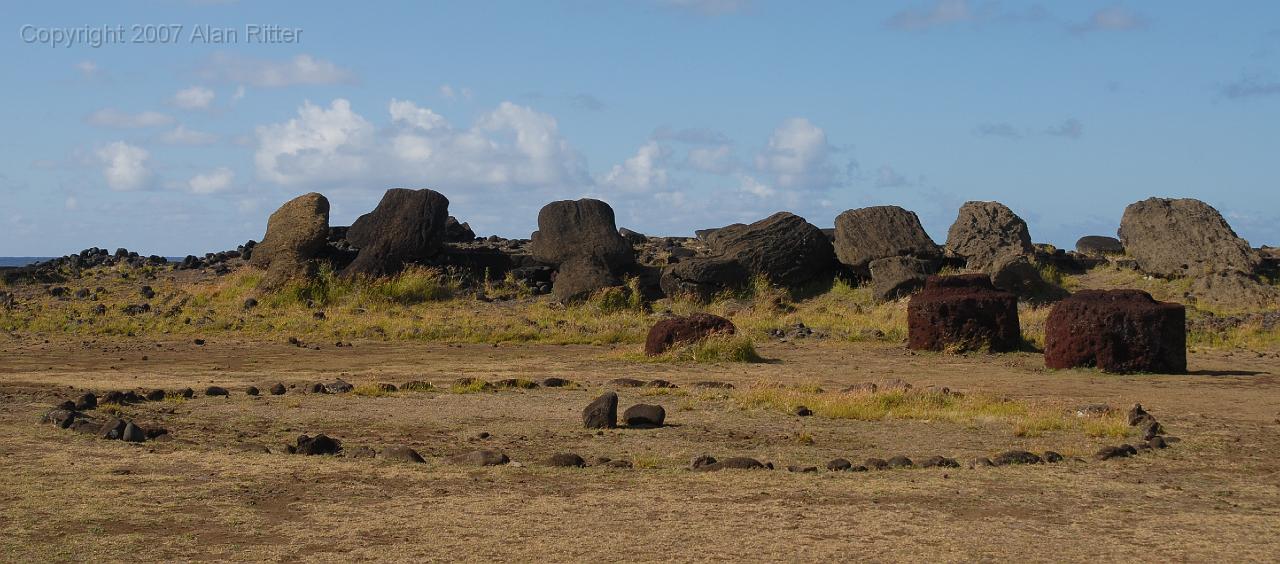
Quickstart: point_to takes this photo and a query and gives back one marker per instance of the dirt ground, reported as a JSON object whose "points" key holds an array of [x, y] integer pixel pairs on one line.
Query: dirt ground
{"points": [[66, 496]]}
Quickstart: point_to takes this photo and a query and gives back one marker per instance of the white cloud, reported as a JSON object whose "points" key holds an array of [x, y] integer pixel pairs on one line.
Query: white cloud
{"points": [[113, 118], [1113, 18], [211, 182], [751, 185], [180, 135], [300, 70], [403, 111], [194, 98], [124, 166], [319, 143], [239, 94], [940, 13], [715, 160], [511, 146], [88, 69], [797, 156], [643, 172]]}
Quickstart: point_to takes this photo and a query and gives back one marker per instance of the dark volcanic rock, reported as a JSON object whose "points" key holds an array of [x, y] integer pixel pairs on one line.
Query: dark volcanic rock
{"points": [[900, 462], [215, 391], [133, 434], [1109, 452], [406, 226], [1183, 237], [61, 417], [1016, 457], [876, 464], [644, 415], [566, 460], [866, 234], [1018, 275], [783, 248], [86, 402], [939, 462], [839, 465], [668, 332], [984, 231], [401, 454], [1098, 245], [582, 240], [456, 232], [735, 463], [895, 277], [112, 429], [482, 457], [317, 445], [602, 412], [277, 389], [960, 313], [1116, 331], [296, 233]]}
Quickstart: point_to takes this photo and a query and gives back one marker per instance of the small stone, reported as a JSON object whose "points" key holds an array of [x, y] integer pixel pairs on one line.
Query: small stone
{"points": [[644, 415], [1051, 457], [401, 454], [802, 469], [876, 464], [566, 460], [981, 462], [156, 395], [482, 457], [802, 411], [277, 390], [86, 401], [253, 391], [133, 434], [900, 462], [1107, 453], [555, 383], [939, 462], [602, 412], [1157, 442], [1016, 457], [839, 465], [215, 391], [735, 463]]}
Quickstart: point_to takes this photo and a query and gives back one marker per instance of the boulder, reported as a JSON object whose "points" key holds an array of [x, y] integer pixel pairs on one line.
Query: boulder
{"points": [[839, 465], [644, 415], [688, 329], [580, 237], [215, 391], [1233, 290], [602, 412], [899, 276], [401, 454], [1116, 331], [1183, 237], [296, 234], [1018, 275], [277, 389], [963, 313], [984, 231], [900, 462], [867, 234], [456, 232], [406, 226], [1099, 246], [783, 248], [483, 457]]}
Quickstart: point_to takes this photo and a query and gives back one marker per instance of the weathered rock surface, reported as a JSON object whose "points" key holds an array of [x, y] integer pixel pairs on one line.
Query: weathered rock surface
{"points": [[1233, 290], [483, 457], [1116, 331], [1018, 275], [866, 234], [296, 234], [783, 248], [644, 415], [602, 412], [406, 226], [1183, 237], [582, 240], [962, 313], [1098, 245], [984, 231], [899, 276], [688, 329]]}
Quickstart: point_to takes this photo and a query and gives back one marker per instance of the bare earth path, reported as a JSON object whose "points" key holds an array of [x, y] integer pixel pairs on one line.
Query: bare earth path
{"points": [[66, 496]]}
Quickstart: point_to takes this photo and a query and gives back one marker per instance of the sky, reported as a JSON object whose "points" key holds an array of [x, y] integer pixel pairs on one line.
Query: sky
{"points": [[177, 127]]}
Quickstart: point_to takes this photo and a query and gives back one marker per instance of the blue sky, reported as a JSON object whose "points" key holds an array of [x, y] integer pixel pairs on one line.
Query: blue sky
{"points": [[683, 114]]}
